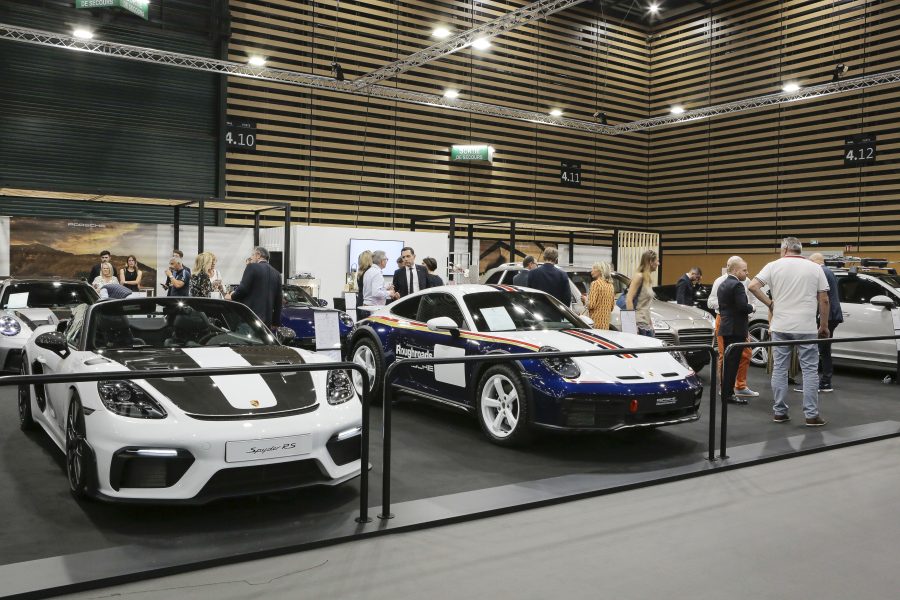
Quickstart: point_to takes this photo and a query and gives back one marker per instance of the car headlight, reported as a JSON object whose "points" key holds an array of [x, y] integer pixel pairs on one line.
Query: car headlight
{"points": [[9, 325], [660, 325], [127, 399], [562, 365], [346, 320], [339, 388]]}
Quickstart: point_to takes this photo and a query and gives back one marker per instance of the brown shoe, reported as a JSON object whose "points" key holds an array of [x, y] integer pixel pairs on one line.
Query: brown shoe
{"points": [[781, 418], [816, 421]]}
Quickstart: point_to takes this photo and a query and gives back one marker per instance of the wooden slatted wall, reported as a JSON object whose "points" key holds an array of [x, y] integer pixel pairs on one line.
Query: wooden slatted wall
{"points": [[739, 183], [346, 160]]}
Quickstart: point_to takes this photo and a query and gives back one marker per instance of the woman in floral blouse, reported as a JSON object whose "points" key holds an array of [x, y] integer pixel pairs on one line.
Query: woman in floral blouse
{"points": [[202, 275], [599, 301]]}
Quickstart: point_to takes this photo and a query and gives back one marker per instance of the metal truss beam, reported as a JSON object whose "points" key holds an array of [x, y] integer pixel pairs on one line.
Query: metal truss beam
{"points": [[502, 24], [223, 67]]}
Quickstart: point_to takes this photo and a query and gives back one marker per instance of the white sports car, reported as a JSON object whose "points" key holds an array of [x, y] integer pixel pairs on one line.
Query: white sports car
{"points": [[512, 398], [29, 303], [187, 439]]}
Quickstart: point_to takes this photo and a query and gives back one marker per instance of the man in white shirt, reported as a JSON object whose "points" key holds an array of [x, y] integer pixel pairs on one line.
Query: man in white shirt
{"points": [[374, 292], [741, 390], [799, 288]]}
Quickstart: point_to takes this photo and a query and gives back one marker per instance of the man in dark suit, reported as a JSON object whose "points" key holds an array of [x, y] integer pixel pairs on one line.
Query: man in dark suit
{"points": [[734, 311], [521, 277], [686, 285], [551, 279], [260, 288], [411, 277]]}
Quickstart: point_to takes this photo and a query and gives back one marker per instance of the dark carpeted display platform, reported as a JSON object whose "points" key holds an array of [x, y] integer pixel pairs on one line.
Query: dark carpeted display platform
{"points": [[443, 470]]}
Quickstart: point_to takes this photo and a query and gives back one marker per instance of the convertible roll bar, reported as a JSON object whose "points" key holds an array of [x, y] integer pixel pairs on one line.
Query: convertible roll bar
{"points": [[248, 370], [387, 392]]}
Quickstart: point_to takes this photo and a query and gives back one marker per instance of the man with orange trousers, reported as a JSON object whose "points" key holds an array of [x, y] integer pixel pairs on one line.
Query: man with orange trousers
{"points": [[740, 384]]}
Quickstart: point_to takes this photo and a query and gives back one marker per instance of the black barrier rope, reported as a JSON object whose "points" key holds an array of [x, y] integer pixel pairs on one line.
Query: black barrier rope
{"points": [[818, 341], [249, 370], [387, 393]]}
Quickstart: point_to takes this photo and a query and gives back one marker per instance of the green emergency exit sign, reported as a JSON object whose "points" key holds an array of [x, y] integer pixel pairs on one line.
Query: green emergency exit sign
{"points": [[140, 8]]}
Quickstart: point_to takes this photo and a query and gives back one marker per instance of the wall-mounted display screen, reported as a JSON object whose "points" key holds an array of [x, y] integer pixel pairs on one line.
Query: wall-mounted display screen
{"points": [[391, 247]]}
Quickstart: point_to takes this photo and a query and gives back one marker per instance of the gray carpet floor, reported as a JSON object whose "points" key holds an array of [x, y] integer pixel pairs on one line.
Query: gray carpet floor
{"points": [[821, 526]]}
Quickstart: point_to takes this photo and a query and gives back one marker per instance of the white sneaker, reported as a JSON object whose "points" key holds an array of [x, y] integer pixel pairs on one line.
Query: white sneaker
{"points": [[746, 393]]}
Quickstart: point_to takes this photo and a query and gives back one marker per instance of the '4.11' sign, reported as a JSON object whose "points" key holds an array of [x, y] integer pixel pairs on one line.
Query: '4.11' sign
{"points": [[570, 172]]}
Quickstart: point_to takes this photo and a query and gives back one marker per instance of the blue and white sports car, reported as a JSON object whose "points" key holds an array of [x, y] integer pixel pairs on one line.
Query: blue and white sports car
{"points": [[511, 399], [298, 313]]}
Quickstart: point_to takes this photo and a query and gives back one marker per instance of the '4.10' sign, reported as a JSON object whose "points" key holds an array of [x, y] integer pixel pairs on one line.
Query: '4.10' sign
{"points": [[240, 135]]}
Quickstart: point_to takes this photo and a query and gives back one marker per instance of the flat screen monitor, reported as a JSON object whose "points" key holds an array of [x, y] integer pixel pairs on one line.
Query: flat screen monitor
{"points": [[391, 247]]}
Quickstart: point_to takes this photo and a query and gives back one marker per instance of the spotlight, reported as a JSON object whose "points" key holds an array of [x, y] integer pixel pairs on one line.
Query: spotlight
{"points": [[337, 71], [83, 34], [600, 116], [677, 109], [256, 61], [653, 8], [791, 87], [441, 33], [451, 94], [481, 44], [839, 70], [555, 112]]}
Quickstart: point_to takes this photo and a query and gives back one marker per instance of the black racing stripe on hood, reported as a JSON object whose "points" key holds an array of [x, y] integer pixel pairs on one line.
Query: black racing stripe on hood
{"points": [[596, 340], [200, 396]]}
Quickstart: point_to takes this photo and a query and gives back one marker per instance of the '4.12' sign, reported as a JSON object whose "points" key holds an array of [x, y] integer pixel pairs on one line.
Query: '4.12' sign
{"points": [[859, 150], [570, 172], [240, 135]]}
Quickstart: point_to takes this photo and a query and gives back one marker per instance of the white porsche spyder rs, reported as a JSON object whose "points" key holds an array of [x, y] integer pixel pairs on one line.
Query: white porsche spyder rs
{"points": [[187, 439], [29, 303]]}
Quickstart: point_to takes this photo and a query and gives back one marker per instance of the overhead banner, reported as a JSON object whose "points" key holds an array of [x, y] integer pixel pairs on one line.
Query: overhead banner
{"points": [[69, 248], [478, 153], [140, 8]]}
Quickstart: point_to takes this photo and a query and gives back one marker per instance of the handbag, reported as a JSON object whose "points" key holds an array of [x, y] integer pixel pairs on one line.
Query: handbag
{"points": [[620, 301]]}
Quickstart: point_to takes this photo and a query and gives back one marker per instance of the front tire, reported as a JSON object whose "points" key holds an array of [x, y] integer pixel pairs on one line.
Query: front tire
{"points": [[502, 407], [759, 332], [26, 420], [81, 468], [367, 354]]}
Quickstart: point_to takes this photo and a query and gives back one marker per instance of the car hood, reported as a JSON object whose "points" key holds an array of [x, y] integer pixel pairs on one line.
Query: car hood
{"points": [[227, 396], [625, 367], [688, 316], [38, 317]]}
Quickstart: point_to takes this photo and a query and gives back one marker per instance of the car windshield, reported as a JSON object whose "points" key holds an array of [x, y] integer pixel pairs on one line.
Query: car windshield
{"points": [[297, 295], [182, 323], [892, 280], [582, 280], [47, 294], [519, 311]]}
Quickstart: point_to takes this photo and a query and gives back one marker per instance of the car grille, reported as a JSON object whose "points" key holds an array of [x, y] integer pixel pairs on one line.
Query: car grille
{"points": [[666, 338], [129, 469], [695, 336], [344, 451], [261, 479]]}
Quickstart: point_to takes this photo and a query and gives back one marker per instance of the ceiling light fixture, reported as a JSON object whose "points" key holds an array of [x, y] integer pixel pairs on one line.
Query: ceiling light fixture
{"points": [[481, 44], [451, 94], [556, 112], [83, 34], [790, 87], [256, 61], [677, 109], [839, 70], [653, 8], [600, 116], [337, 71], [441, 33]]}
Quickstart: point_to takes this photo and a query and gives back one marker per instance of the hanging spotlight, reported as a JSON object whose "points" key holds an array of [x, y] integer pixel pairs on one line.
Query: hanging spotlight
{"points": [[677, 109], [790, 87], [556, 112], [441, 33], [481, 44], [600, 116], [256, 61], [653, 8], [451, 94], [83, 34], [337, 71], [838, 71]]}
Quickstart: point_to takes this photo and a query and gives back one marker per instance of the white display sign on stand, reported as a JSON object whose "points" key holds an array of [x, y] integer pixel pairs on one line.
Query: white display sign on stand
{"points": [[629, 321], [328, 334]]}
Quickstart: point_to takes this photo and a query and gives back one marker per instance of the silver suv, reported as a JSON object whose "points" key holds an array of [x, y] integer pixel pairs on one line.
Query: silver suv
{"points": [[673, 323]]}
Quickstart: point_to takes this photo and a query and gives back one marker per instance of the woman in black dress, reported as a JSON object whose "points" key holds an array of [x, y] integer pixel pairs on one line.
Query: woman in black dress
{"points": [[433, 279], [130, 276]]}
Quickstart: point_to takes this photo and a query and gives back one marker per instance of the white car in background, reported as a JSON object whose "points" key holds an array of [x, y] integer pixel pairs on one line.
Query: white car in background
{"points": [[674, 324], [30, 302]]}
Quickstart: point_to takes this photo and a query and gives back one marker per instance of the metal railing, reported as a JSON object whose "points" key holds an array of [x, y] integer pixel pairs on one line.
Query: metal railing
{"points": [[739, 347], [388, 393], [249, 370]]}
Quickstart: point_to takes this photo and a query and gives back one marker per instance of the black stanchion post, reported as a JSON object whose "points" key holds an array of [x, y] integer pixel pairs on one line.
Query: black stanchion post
{"points": [[387, 395], [713, 384], [724, 398], [364, 454]]}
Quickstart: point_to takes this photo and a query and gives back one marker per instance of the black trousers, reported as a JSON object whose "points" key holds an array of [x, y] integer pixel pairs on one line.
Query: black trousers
{"points": [[730, 364], [826, 367]]}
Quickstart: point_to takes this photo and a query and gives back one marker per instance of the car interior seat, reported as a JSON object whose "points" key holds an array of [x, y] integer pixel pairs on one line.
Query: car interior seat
{"points": [[188, 329], [113, 331]]}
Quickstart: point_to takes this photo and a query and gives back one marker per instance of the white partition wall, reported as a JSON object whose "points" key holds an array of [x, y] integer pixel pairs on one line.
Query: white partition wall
{"points": [[324, 251], [231, 245], [4, 246], [632, 244]]}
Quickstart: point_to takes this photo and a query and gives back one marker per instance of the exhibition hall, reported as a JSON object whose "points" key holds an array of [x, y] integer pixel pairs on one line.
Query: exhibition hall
{"points": [[449, 298]]}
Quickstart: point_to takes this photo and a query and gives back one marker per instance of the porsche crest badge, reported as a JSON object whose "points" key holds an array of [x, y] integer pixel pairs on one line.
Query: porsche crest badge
{"points": [[254, 403]]}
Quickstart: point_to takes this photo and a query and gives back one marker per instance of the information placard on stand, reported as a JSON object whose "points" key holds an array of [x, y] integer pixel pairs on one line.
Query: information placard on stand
{"points": [[328, 334], [629, 321]]}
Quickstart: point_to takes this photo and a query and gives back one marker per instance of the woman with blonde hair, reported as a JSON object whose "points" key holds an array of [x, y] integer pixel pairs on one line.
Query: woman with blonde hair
{"points": [[202, 275], [362, 265], [106, 276], [640, 293], [601, 297]]}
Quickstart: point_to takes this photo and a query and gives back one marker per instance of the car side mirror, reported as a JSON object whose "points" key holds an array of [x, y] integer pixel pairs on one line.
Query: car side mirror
{"points": [[587, 320], [321, 301], [443, 324], [285, 335], [882, 301], [54, 341]]}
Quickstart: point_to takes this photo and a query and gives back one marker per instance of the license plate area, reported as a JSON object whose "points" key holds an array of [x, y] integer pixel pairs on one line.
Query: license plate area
{"points": [[264, 449], [667, 401]]}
